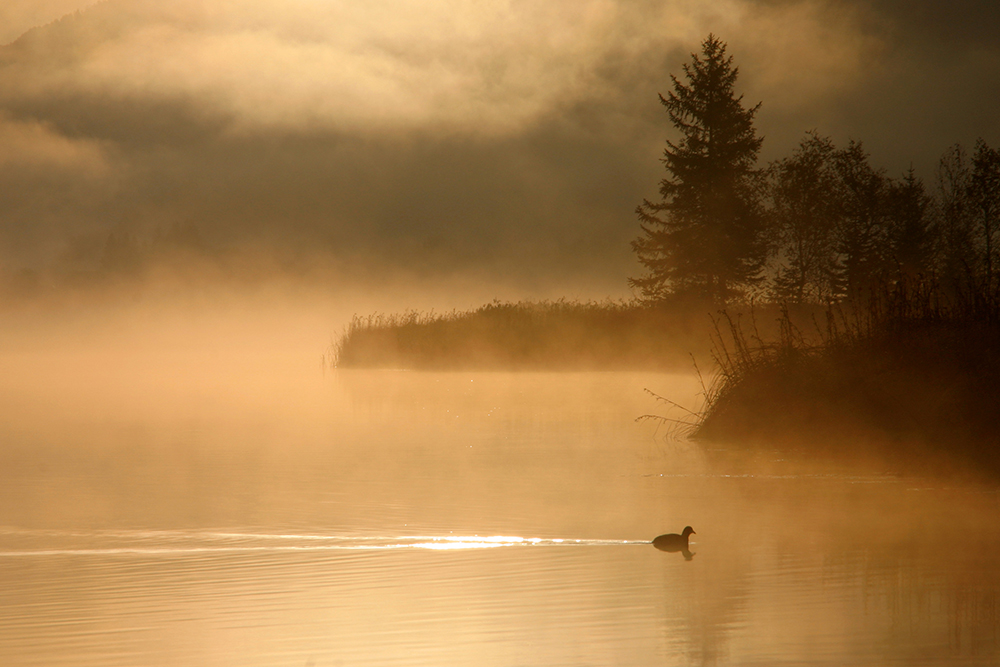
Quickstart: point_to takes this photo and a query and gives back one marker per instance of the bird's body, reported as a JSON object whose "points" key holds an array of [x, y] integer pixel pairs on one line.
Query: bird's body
{"points": [[673, 542]]}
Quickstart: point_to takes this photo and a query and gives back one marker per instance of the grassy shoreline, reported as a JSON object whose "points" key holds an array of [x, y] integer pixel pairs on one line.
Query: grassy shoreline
{"points": [[547, 335], [909, 374]]}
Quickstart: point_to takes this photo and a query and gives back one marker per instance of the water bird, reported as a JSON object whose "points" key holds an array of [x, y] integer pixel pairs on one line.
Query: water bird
{"points": [[673, 542]]}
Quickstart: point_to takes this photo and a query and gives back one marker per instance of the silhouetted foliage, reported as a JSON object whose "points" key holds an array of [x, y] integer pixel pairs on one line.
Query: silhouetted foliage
{"points": [[553, 335], [905, 366], [843, 226], [835, 225], [861, 235], [550, 335], [910, 226], [706, 236], [954, 241], [805, 215], [984, 204]]}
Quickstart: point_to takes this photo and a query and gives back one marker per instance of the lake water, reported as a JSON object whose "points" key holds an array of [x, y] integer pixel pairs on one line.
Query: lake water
{"points": [[184, 513]]}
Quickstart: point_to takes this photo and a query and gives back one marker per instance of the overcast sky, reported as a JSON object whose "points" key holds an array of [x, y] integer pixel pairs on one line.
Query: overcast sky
{"points": [[515, 135]]}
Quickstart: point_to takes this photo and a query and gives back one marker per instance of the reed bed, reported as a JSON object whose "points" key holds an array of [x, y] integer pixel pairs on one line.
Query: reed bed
{"points": [[528, 335], [908, 365]]}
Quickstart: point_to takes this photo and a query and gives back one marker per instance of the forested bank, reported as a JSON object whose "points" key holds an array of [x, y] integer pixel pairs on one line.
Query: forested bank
{"points": [[911, 376], [840, 303], [822, 227]]}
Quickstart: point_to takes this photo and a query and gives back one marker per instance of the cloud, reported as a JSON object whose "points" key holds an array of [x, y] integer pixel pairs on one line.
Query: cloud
{"points": [[49, 186], [482, 67], [34, 145], [804, 55], [502, 132], [478, 67]]}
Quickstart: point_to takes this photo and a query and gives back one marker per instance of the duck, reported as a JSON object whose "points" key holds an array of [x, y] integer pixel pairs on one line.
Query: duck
{"points": [[673, 542]]}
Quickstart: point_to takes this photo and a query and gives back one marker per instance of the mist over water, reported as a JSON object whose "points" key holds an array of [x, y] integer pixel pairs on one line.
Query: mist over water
{"points": [[197, 197], [185, 484]]}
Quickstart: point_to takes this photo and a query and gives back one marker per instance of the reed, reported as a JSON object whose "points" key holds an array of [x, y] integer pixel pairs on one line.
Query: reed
{"points": [[528, 335], [908, 364]]}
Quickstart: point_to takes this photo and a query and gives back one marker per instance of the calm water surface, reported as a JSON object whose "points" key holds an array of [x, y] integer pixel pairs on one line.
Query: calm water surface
{"points": [[278, 516]]}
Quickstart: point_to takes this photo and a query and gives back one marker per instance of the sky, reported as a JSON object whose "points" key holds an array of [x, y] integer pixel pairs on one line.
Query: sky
{"points": [[511, 139]]}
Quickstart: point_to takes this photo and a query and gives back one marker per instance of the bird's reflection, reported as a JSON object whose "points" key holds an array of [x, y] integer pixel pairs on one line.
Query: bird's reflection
{"points": [[674, 543]]}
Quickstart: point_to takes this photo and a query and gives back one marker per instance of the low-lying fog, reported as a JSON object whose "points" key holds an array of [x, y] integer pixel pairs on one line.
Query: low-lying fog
{"points": [[182, 482]]}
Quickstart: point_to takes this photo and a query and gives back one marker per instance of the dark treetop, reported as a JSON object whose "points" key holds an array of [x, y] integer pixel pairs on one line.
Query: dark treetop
{"points": [[706, 236]]}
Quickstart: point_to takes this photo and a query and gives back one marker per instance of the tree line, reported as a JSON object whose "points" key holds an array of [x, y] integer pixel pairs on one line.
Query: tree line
{"points": [[820, 225]]}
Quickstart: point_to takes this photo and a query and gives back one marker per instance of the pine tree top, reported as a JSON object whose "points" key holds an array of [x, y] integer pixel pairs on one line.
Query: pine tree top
{"points": [[706, 236], [717, 131]]}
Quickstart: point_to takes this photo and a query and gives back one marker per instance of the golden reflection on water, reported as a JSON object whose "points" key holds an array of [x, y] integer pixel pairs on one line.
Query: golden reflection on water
{"points": [[212, 513]]}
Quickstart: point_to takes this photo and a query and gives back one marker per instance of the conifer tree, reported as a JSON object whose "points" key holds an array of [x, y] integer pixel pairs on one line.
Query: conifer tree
{"points": [[984, 198], [805, 211], [861, 235], [954, 225], [706, 236], [911, 232]]}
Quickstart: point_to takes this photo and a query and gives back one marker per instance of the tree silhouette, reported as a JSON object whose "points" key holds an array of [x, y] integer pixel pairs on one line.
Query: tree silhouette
{"points": [[954, 241], [861, 236], [984, 198], [706, 236], [805, 212], [910, 227]]}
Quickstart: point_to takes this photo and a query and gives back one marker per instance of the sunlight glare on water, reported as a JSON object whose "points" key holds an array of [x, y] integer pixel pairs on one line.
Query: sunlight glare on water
{"points": [[167, 543]]}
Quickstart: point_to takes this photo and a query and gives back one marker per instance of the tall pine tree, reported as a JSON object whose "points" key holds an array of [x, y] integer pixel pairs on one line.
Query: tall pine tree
{"points": [[706, 237]]}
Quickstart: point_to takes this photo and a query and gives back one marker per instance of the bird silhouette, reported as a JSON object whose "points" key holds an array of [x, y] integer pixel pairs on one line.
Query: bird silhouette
{"points": [[673, 542]]}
